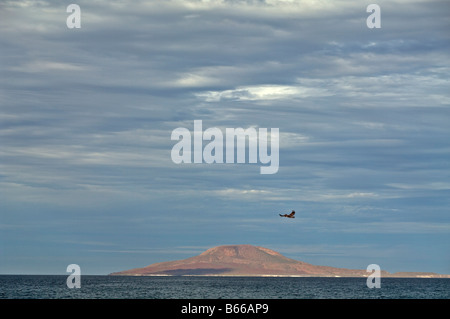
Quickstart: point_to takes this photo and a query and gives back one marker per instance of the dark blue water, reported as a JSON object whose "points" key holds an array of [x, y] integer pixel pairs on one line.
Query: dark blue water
{"points": [[111, 287]]}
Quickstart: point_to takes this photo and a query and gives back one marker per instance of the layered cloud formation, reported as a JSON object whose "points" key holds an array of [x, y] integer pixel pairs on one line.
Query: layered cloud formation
{"points": [[86, 117]]}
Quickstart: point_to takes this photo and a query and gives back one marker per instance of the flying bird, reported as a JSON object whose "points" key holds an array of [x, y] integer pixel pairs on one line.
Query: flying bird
{"points": [[291, 215]]}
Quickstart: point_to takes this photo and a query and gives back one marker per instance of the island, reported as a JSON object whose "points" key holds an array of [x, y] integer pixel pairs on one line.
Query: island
{"points": [[249, 260]]}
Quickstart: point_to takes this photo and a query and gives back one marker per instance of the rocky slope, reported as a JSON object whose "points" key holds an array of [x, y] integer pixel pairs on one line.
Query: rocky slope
{"points": [[247, 260]]}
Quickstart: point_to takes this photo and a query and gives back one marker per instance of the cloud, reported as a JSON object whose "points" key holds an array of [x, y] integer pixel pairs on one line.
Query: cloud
{"points": [[86, 118], [425, 186], [247, 194], [263, 93], [46, 66]]}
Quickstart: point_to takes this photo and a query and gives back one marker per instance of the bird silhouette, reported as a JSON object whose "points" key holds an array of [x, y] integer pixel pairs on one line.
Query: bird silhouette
{"points": [[291, 215]]}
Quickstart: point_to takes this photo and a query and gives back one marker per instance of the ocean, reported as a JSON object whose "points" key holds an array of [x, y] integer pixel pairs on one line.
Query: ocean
{"points": [[192, 287]]}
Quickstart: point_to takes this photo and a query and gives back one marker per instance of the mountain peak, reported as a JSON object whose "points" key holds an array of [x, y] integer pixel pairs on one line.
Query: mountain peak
{"points": [[239, 251]]}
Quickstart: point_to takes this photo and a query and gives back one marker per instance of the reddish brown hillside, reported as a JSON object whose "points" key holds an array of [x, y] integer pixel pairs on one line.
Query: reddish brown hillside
{"points": [[247, 260]]}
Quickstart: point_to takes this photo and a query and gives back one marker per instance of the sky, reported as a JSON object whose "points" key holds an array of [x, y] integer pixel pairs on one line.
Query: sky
{"points": [[86, 117]]}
